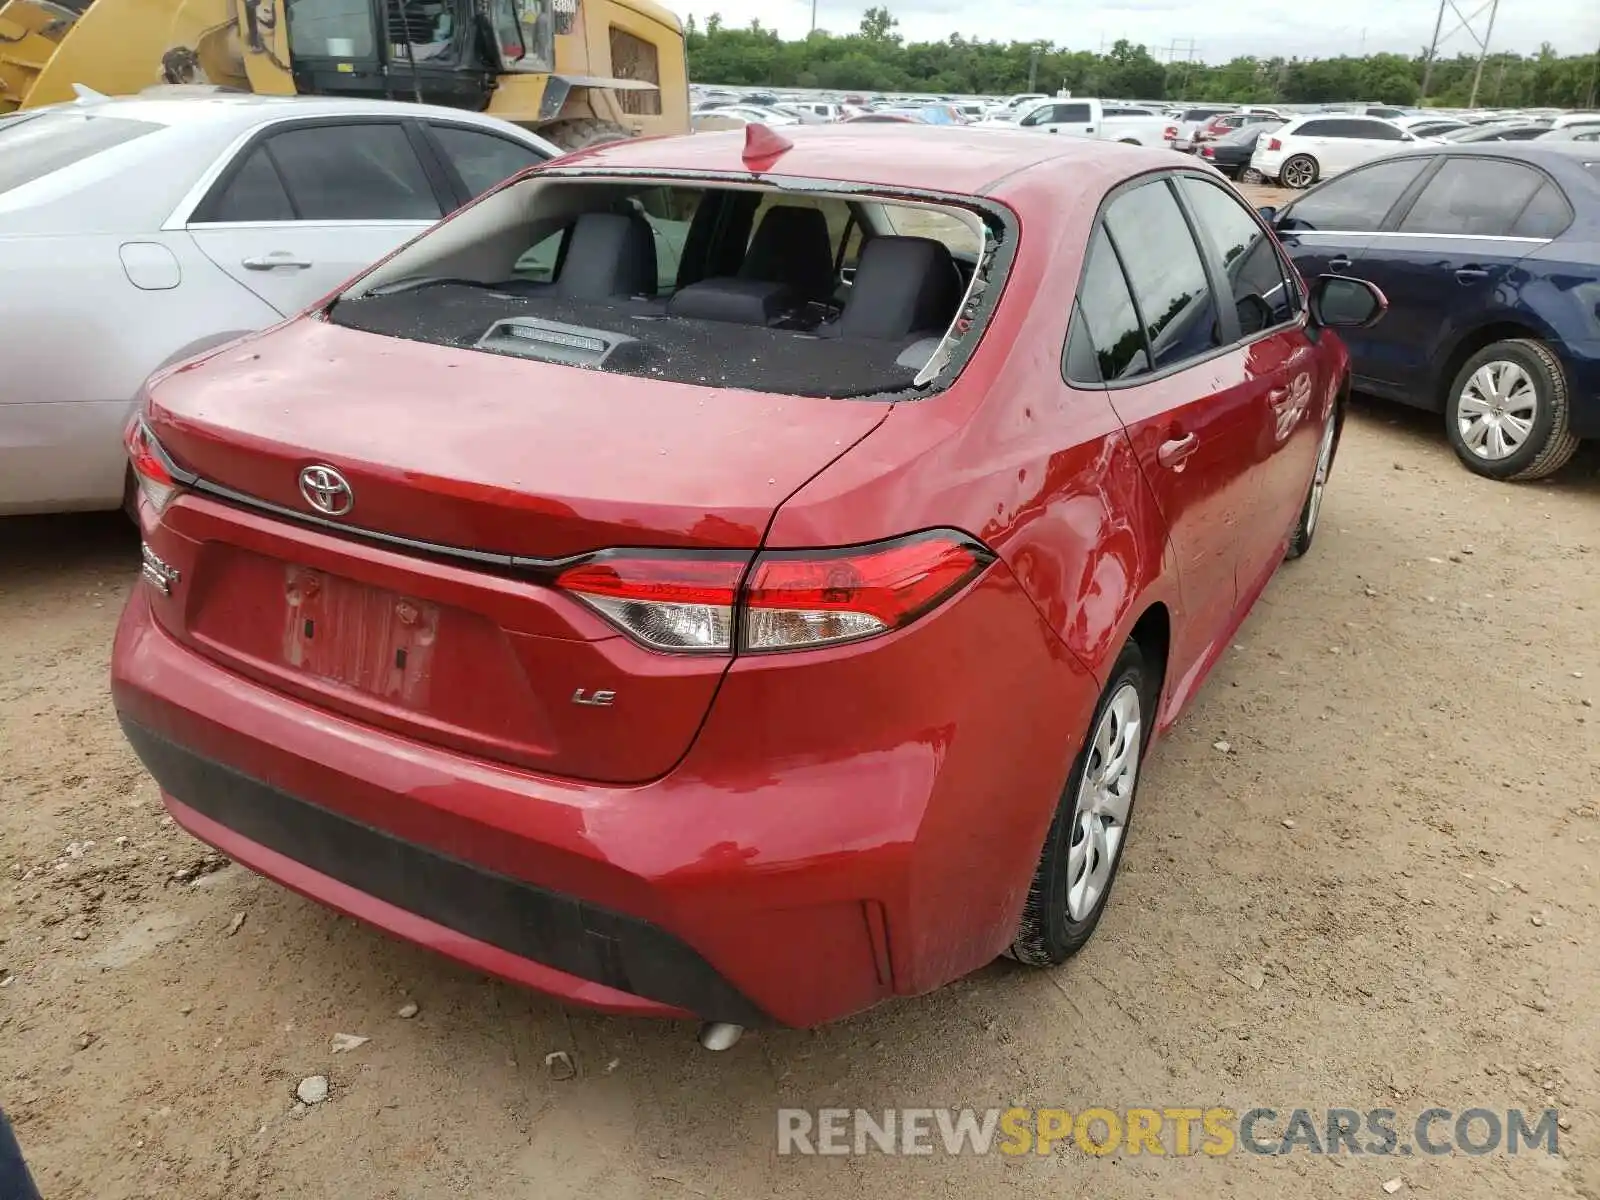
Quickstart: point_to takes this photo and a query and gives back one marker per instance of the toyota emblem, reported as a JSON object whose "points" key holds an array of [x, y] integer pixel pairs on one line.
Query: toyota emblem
{"points": [[326, 491]]}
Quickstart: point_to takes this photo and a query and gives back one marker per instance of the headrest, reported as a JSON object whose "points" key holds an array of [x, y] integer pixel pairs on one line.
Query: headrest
{"points": [[903, 285], [792, 246], [608, 255], [742, 301]]}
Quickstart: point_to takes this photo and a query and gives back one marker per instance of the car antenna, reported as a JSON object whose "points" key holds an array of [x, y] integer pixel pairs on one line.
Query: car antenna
{"points": [[411, 50], [763, 147], [87, 95]]}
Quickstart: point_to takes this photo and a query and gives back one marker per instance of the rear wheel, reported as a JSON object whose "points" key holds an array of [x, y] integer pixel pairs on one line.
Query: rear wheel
{"points": [[580, 133], [1083, 847], [1312, 511], [1299, 172], [1508, 412]]}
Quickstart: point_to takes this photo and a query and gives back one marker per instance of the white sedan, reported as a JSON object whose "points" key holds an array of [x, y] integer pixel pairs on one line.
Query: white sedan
{"points": [[135, 233]]}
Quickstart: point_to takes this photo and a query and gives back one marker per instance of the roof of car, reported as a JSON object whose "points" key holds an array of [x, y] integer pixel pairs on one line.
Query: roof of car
{"points": [[950, 159], [243, 110], [1534, 151]]}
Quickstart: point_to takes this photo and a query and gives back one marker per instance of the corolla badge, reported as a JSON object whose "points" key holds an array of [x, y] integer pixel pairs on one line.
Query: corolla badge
{"points": [[326, 491]]}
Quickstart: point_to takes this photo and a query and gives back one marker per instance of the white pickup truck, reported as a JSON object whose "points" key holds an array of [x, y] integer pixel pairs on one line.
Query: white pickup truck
{"points": [[1108, 120]]}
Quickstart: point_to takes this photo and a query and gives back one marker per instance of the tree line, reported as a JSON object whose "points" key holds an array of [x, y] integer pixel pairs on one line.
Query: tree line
{"points": [[875, 58]]}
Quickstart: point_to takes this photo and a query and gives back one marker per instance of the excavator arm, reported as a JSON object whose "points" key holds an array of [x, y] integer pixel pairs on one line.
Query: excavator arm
{"points": [[120, 47]]}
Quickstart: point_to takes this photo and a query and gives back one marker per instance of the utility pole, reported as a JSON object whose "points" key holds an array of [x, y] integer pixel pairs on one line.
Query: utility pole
{"points": [[1483, 52], [1433, 46], [813, 16], [1033, 67], [1594, 77]]}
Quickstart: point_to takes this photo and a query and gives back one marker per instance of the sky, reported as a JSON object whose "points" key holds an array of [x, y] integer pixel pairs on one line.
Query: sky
{"points": [[1221, 29]]}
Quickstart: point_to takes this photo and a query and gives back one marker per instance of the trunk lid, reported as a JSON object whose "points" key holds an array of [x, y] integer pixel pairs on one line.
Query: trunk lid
{"points": [[473, 452], [478, 451]]}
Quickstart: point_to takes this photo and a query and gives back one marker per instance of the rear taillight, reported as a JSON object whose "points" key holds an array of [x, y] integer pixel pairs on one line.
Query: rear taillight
{"points": [[667, 601], [1274, 144], [1170, 133], [786, 600], [158, 480], [1208, 152]]}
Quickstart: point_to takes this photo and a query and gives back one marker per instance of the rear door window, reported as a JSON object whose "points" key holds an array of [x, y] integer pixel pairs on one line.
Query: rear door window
{"points": [[359, 172], [1357, 201], [33, 147], [1546, 214], [1165, 272], [1473, 195], [255, 192], [483, 160], [1371, 131], [1111, 320]]}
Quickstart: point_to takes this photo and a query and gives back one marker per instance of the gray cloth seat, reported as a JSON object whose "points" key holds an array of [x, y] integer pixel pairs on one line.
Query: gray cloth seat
{"points": [[905, 287], [607, 256], [791, 246]]}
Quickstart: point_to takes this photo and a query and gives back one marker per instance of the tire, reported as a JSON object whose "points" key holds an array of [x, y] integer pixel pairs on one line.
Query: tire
{"points": [[1311, 511], [1299, 172], [1054, 925], [1508, 415], [1129, 141], [130, 498], [580, 133]]}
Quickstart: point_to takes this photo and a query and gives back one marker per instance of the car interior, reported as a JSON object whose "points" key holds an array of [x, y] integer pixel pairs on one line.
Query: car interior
{"points": [[722, 287]]}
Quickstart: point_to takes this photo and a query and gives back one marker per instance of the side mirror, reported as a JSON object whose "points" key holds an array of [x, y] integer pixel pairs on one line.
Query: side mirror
{"points": [[1340, 302], [1268, 214]]}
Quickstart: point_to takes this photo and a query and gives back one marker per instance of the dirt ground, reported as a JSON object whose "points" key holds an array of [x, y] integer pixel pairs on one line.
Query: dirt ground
{"points": [[1382, 894]]}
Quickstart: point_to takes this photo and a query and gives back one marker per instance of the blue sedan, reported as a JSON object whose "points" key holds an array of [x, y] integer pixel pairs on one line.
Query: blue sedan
{"points": [[1490, 257]]}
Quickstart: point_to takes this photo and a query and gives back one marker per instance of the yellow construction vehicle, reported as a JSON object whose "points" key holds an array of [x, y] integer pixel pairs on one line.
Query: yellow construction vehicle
{"points": [[578, 71]]}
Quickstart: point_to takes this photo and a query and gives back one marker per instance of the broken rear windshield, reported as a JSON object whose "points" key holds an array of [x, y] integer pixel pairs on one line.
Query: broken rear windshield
{"points": [[724, 286]]}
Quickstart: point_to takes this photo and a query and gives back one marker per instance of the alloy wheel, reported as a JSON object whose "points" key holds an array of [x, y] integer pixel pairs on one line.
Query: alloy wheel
{"points": [[1319, 482], [1496, 410], [1299, 173], [1105, 796]]}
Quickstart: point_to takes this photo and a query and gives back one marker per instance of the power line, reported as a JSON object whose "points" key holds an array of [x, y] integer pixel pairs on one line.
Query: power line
{"points": [[1483, 52], [1467, 22]]}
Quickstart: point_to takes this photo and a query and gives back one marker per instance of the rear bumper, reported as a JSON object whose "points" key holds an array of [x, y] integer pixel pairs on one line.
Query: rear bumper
{"points": [[824, 846], [546, 940], [1268, 165]]}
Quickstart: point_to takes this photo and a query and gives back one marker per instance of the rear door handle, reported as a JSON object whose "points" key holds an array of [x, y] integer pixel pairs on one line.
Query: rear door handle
{"points": [[1176, 451], [278, 258], [1339, 262], [1471, 273]]}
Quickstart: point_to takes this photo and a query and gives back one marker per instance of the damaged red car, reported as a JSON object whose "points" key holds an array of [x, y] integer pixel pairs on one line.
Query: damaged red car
{"points": [[732, 577]]}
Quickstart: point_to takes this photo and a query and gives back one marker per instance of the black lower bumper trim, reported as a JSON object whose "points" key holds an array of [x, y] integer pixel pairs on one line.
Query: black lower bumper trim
{"points": [[559, 931]]}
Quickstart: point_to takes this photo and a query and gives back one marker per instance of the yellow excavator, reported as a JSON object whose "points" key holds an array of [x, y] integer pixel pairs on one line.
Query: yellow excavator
{"points": [[578, 71]]}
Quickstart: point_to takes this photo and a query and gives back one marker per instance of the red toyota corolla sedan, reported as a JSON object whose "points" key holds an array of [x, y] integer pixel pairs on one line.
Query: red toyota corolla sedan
{"points": [[735, 576]]}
